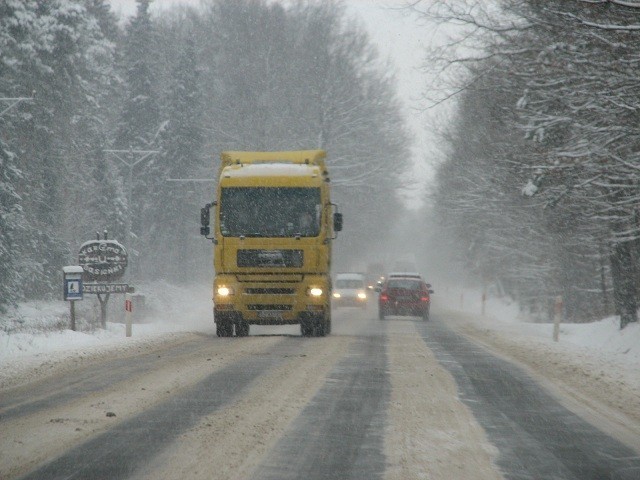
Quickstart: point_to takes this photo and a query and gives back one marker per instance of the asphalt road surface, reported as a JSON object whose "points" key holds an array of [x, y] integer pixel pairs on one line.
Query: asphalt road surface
{"points": [[393, 399]]}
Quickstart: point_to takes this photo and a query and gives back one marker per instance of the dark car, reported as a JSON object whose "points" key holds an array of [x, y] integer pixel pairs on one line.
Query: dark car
{"points": [[404, 296]]}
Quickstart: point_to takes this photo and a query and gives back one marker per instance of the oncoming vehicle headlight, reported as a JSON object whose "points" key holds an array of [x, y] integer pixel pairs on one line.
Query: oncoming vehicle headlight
{"points": [[225, 291], [336, 295], [315, 292], [362, 295]]}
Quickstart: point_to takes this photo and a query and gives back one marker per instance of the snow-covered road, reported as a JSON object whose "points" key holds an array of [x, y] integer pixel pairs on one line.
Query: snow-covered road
{"points": [[401, 388]]}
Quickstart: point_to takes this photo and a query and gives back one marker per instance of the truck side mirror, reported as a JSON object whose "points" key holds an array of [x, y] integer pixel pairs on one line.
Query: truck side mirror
{"points": [[204, 220], [337, 222]]}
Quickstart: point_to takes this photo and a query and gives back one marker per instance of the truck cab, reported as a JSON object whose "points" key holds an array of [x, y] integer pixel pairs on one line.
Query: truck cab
{"points": [[273, 226]]}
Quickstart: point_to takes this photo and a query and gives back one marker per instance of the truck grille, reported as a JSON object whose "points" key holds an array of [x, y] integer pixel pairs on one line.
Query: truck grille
{"points": [[261, 306], [270, 258], [269, 291]]}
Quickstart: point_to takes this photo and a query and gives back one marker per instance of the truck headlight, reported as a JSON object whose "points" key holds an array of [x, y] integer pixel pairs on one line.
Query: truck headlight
{"points": [[315, 292], [225, 291], [336, 295], [362, 295]]}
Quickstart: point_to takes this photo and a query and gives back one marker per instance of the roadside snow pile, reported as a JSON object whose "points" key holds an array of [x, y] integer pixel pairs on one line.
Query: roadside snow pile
{"points": [[602, 339], [178, 308], [34, 328], [34, 317], [603, 335]]}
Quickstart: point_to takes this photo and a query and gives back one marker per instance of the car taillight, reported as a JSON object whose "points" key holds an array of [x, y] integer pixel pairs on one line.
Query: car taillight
{"points": [[384, 297], [424, 299]]}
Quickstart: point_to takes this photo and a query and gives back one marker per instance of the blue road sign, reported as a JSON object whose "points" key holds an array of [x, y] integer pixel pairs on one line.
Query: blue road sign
{"points": [[73, 289]]}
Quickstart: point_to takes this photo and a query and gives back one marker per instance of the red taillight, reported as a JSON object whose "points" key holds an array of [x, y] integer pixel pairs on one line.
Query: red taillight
{"points": [[424, 299], [384, 297]]}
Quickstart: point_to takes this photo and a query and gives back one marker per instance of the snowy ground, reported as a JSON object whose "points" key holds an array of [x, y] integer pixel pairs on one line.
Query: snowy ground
{"points": [[36, 337], [593, 367], [594, 342]]}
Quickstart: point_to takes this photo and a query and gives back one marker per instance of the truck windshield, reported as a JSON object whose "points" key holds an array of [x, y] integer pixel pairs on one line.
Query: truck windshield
{"points": [[270, 212]]}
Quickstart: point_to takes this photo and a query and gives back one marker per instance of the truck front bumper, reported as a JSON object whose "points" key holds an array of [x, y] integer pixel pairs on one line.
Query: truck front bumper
{"points": [[274, 302]]}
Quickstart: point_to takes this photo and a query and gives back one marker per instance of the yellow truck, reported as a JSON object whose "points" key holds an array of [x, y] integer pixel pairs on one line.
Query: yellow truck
{"points": [[273, 225]]}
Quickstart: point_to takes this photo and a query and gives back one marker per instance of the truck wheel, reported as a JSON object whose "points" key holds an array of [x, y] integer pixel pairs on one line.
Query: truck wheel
{"points": [[328, 325], [224, 327], [242, 328], [306, 328], [320, 328]]}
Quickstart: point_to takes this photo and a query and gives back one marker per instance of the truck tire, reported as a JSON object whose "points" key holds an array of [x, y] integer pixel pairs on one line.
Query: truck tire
{"points": [[242, 328], [224, 325], [224, 328], [306, 328], [320, 327], [314, 326]]}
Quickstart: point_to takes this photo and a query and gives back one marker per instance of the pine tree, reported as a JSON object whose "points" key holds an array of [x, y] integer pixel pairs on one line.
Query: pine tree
{"points": [[11, 221], [139, 126], [140, 118], [56, 50], [171, 222]]}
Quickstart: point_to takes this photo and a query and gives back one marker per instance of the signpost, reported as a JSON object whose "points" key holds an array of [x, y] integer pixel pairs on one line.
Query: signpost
{"points": [[557, 317], [106, 288], [128, 308], [103, 261], [72, 288]]}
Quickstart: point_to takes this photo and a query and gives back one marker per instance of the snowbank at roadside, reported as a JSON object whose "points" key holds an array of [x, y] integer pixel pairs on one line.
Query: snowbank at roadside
{"points": [[603, 336], [37, 334], [596, 358]]}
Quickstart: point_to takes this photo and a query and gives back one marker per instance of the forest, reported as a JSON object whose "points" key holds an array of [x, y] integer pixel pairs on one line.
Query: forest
{"points": [[540, 186], [537, 193], [103, 121]]}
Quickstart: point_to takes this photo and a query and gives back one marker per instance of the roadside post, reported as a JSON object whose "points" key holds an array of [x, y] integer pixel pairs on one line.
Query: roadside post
{"points": [[72, 288], [484, 301], [128, 308], [557, 317]]}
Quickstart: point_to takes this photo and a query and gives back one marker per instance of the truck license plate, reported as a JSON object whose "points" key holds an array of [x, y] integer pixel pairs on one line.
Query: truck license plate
{"points": [[272, 314]]}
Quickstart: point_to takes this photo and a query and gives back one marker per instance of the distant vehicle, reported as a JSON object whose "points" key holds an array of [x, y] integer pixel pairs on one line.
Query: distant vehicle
{"points": [[405, 275], [404, 295], [375, 272], [350, 290]]}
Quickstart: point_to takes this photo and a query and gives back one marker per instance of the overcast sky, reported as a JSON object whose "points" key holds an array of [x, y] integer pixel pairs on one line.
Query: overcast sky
{"points": [[401, 38]]}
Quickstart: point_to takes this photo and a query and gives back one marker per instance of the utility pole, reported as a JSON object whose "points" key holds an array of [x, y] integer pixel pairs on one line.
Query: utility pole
{"points": [[130, 158]]}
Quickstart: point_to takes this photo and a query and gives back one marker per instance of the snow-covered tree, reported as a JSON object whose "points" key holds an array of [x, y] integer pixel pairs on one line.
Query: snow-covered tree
{"points": [[140, 122], [572, 69], [172, 226], [11, 222], [55, 51], [304, 77]]}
